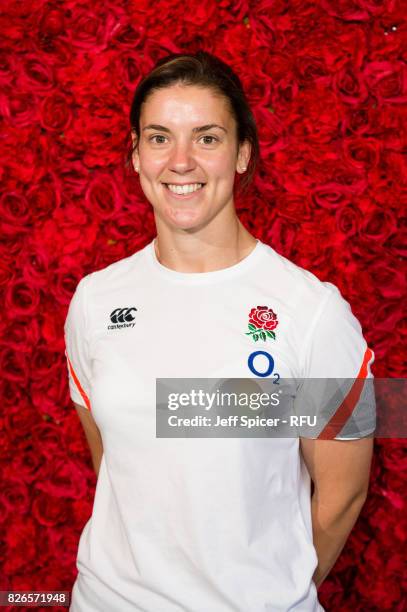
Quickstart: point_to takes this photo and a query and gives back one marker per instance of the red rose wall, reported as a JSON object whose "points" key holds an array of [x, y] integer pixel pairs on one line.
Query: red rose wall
{"points": [[327, 82]]}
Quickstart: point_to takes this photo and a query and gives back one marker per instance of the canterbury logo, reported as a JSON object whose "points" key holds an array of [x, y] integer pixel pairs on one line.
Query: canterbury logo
{"points": [[122, 317]]}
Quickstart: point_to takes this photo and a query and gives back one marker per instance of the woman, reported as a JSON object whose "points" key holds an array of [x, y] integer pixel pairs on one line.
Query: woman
{"points": [[206, 524]]}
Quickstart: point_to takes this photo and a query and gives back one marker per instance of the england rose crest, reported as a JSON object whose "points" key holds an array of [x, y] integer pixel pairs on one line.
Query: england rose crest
{"points": [[262, 322]]}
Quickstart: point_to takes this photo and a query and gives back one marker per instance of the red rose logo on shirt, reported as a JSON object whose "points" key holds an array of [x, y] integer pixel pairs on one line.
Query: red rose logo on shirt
{"points": [[262, 320]]}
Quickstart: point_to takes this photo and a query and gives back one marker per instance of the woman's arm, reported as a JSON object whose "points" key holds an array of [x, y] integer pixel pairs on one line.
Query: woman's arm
{"points": [[92, 434], [340, 472]]}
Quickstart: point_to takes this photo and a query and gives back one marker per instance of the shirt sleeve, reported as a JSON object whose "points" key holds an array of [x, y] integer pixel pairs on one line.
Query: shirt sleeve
{"points": [[336, 381], [77, 348]]}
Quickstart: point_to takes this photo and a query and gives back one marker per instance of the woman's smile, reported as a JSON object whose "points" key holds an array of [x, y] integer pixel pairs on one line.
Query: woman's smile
{"points": [[184, 191]]}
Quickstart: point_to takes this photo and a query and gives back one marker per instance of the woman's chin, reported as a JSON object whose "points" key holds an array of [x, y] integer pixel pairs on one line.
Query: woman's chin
{"points": [[183, 218]]}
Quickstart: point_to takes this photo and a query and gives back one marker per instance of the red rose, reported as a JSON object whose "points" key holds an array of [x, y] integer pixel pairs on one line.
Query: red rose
{"points": [[15, 495], [387, 315], [283, 235], [358, 119], [390, 280], [14, 214], [331, 195], [20, 419], [14, 365], [20, 544], [362, 153], [49, 510], [35, 263], [50, 399], [22, 336], [294, 206], [49, 436], [63, 479], [102, 196], [263, 318], [349, 84], [271, 132], [55, 112], [378, 225], [52, 22], [348, 219], [315, 115], [387, 81], [260, 88], [22, 299], [44, 198], [28, 463], [12, 395], [45, 363]]}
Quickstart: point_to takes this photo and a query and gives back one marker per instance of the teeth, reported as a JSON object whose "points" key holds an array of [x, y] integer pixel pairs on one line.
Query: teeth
{"points": [[184, 188]]}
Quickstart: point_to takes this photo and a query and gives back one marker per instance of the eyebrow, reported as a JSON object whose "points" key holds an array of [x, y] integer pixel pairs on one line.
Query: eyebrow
{"points": [[203, 128]]}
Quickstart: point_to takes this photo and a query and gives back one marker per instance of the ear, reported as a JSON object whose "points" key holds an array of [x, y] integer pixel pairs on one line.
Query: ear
{"points": [[135, 155], [243, 156]]}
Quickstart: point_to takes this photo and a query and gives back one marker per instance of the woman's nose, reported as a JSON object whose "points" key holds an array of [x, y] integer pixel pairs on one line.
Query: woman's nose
{"points": [[181, 158]]}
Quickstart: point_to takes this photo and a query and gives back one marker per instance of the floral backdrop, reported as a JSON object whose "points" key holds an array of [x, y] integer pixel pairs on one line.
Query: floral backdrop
{"points": [[327, 82]]}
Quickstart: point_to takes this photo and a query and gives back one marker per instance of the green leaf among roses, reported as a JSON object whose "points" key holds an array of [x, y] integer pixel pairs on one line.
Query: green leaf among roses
{"points": [[259, 333], [254, 330]]}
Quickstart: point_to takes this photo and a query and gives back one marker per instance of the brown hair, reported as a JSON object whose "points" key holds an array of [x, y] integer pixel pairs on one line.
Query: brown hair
{"points": [[205, 70]]}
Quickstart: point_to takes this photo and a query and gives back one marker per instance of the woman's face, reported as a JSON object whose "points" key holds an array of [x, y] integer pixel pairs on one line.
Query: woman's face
{"points": [[188, 137]]}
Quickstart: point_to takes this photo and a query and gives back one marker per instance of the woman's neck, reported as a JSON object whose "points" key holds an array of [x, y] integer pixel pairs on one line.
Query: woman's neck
{"points": [[199, 252]]}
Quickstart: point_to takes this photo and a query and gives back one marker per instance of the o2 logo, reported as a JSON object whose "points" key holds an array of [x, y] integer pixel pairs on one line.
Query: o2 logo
{"points": [[264, 372]]}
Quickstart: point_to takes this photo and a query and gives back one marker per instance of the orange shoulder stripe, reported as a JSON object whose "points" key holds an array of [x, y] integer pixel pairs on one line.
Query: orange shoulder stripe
{"points": [[338, 420], [78, 384]]}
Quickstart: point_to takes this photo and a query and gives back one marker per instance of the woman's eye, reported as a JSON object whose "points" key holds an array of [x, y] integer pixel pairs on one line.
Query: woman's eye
{"points": [[157, 136], [212, 138]]}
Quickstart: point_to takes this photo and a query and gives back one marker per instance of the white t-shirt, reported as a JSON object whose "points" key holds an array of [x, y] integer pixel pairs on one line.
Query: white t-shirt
{"points": [[199, 524]]}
